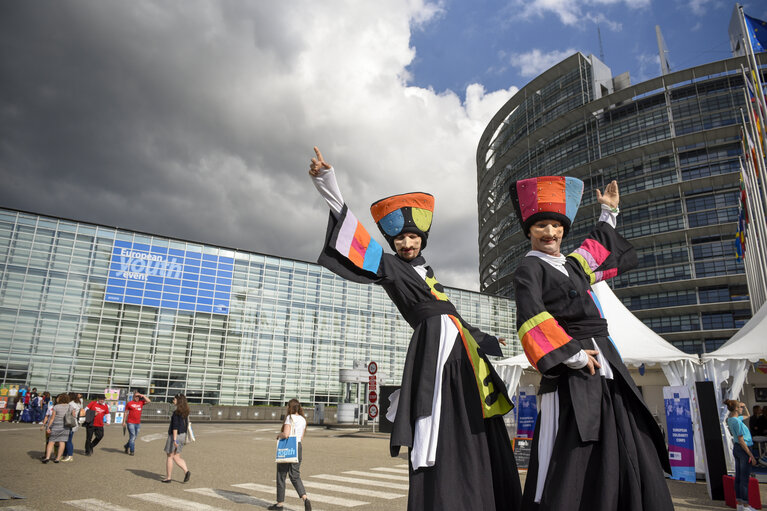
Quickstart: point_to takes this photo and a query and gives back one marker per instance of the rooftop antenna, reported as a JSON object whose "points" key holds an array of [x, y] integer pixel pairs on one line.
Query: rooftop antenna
{"points": [[601, 49], [665, 68]]}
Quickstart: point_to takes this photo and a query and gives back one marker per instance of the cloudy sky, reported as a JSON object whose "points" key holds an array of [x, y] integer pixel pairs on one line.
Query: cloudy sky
{"points": [[196, 119]]}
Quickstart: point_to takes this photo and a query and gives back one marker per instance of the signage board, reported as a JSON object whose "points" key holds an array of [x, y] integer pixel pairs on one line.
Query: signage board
{"points": [[146, 275]]}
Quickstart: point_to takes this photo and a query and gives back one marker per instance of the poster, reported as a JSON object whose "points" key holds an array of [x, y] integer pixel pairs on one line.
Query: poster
{"points": [[527, 412], [119, 417], [681, 451]]}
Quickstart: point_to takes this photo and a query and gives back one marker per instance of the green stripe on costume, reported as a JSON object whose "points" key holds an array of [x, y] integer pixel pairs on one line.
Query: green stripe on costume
{"points": [[585, 265]]}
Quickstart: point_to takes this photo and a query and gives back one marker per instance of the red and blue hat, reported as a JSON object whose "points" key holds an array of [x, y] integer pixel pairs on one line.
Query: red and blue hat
{"points": [[546, 198], [407, 212]]}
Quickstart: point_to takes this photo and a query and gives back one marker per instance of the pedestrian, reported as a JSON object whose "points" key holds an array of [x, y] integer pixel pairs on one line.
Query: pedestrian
{"points": [[741, 450], [134, 420], [449, 409], [75, 405], [18, 409], [595, 445], [294, 425], [34, 406], [95, 429], [54, 425], [179, 423]]}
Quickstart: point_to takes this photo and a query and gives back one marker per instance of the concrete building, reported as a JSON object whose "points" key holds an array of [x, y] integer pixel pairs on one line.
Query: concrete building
{"points": [[673, 144], [86, 307]]}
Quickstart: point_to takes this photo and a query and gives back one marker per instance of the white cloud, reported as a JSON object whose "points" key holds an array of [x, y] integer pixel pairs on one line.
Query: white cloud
{"points": [[197, 120], [574, 12], [535, 62], [649, 66]]}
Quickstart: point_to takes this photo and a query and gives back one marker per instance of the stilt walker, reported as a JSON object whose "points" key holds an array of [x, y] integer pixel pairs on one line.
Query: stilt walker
{"points": [[449, 409], [596, 446]]}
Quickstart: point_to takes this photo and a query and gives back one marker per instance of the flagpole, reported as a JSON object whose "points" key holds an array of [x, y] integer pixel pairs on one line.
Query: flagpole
{"points": [[756, 226], [751, 58]]}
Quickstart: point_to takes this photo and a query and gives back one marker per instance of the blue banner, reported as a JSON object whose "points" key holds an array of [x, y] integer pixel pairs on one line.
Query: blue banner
{"points": [[527, 412], [140, 274], [681, 450]]}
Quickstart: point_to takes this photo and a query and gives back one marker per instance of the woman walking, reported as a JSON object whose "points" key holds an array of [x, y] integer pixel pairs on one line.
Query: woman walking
{"points": [[741, 451], [55, 428], [295, 425], [75, 405], [179, 423]]}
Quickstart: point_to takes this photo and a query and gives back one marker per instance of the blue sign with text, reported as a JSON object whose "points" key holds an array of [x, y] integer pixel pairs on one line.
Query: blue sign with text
{"points": [[140, 274]]}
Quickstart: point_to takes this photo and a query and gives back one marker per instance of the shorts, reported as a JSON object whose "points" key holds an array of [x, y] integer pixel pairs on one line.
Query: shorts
{"points": [[170, 448]]}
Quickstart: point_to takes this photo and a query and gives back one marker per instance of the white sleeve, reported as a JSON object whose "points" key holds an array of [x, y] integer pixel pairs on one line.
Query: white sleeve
{"points": [[328, 187], [609, 215], [577, 361]]}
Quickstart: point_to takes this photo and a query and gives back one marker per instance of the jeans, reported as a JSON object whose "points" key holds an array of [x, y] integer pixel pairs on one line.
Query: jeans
{"points": [[133, 430], [69, 448], [90, 432], [293, 470], [742, 473]]}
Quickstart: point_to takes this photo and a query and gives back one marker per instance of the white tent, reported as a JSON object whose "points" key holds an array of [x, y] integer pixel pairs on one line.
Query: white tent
{"points": [[732, 359]]}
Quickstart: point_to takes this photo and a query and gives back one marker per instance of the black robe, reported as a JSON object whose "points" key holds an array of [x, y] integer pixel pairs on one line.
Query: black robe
{"points": [[609, 452], [474, 466]]}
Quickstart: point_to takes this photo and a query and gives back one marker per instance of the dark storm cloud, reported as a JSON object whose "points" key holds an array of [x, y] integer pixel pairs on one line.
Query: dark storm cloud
{"points": [[196, 120]]}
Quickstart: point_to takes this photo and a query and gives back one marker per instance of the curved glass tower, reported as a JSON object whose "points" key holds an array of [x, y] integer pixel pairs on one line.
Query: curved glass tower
{"points": [[673, 144]]}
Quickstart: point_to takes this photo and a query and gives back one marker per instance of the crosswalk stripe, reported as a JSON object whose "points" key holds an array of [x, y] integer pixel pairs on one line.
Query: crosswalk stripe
{"points": [[313, 497], [175, 503], [389, 469], [355, 491], [405, 466], [94, 505], [17, 508], [238, 498], [380, 476], [357, 480]]}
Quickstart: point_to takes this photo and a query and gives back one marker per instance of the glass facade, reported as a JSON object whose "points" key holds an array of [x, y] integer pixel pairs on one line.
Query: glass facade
{"points": [[673, 144], [84, 307]]}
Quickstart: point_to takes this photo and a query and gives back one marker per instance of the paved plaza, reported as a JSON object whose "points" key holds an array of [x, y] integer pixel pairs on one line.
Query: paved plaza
{"points": [[231, 467]]}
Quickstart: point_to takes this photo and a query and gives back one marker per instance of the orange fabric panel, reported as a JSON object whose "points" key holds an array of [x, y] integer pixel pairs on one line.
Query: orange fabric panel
{"points": [[551, 189], [415, 200]]}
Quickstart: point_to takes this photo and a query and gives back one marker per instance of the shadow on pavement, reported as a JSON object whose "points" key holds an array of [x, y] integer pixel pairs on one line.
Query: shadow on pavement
{"points": [[154, 476], [112, 449], [36, 455]]}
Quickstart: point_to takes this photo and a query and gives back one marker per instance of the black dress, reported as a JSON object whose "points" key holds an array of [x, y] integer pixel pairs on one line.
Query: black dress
{"points": [[473, 467], [608, 453]]}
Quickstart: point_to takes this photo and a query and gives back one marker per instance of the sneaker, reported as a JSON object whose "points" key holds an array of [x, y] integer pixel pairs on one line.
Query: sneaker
{"points": [[66, 458], [131, 453], [274, 506]]}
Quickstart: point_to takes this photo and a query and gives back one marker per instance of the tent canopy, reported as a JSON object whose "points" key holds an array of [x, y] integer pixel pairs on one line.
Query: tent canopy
{"points": [[747, 344]]}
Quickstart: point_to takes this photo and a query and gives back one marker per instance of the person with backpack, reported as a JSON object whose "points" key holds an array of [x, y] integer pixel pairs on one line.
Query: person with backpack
{"points": [[94, 423]]}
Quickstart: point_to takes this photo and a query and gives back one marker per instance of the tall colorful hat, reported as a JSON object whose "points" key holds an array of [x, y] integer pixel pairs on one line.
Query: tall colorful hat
{"points": [[408, 212], [546, 198]]}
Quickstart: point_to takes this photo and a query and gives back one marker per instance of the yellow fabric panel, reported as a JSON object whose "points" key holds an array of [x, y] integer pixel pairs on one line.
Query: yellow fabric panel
{"points": [[481, 367], [585, 265], [422, 218]]}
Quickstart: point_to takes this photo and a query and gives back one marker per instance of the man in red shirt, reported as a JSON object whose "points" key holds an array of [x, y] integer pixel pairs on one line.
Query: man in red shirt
{"points": [[134, 419], [95, 428]]}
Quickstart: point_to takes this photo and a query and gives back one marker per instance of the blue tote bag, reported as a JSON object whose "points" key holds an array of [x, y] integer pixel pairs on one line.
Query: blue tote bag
{"points": [[287, 448]]}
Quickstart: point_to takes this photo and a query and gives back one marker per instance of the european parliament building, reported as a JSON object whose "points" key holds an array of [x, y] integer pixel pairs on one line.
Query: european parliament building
{"points": [[673, 144], [85, 307]]}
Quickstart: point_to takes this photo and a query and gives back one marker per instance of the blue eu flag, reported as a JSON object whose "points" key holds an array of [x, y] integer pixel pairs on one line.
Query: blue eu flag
{"points": [[757, 31]]}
